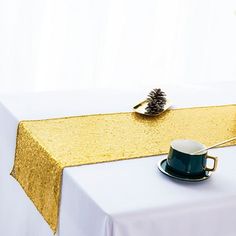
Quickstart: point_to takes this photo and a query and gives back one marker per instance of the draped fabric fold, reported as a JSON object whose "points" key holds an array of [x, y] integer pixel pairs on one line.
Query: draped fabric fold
{"points": [[45, 147]]}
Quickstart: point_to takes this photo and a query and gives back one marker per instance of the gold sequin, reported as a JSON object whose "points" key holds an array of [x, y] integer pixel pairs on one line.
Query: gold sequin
{"points": [[45, 147]]}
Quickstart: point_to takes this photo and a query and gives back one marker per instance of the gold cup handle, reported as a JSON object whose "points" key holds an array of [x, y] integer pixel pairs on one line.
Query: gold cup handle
{"points": [[215, 163]]}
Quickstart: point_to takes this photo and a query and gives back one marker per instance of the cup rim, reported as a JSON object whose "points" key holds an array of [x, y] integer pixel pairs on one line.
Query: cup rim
{"points": [[189, 141]]}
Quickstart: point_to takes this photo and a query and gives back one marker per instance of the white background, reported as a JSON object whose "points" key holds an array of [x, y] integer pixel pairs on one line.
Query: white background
{"points": [[73, 44]]}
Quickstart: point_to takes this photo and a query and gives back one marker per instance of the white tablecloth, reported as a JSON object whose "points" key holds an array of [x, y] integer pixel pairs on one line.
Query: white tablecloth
{"points": [[124, 198]]}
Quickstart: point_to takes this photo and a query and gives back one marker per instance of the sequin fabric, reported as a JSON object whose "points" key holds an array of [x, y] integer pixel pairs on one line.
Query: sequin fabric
{"points": [[45, 147]]}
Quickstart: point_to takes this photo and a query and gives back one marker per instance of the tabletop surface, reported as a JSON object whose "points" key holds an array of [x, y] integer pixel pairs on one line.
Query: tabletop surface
{"points": [[144, 186], [133, 187]]}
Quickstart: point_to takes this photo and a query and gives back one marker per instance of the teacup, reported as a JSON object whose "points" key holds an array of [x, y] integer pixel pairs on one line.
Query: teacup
{"points": [[180, 159]]}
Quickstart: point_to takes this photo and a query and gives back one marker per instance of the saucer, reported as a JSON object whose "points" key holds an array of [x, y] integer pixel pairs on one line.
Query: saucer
{"points": [[162, 166], [141, 108]]}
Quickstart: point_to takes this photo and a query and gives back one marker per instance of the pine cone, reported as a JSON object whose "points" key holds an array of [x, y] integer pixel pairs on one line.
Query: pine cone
{"points": [[156, 94], [156, 102]]}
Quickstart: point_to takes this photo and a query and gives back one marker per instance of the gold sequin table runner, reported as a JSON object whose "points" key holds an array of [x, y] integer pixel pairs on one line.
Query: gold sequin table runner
{"points": [[45, 147]]}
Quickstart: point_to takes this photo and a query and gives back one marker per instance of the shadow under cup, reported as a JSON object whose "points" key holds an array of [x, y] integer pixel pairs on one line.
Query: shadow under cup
{"points": [[181, 161]]}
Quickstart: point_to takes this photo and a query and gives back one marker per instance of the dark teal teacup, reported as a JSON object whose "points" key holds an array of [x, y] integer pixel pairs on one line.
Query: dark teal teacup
{"points": [[181, 161]]}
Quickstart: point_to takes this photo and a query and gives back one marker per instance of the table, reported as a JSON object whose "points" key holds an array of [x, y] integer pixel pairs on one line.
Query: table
{"points": [[124, 198]]}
